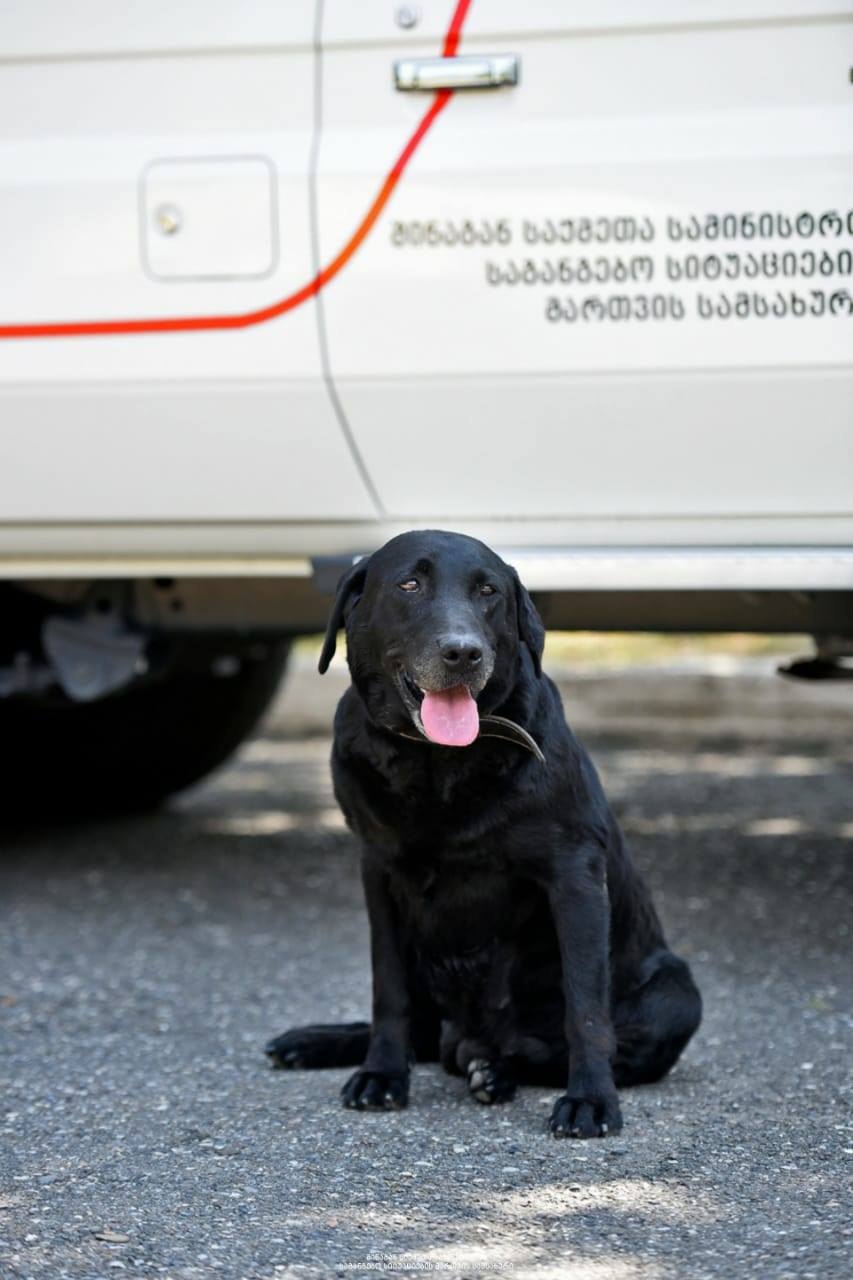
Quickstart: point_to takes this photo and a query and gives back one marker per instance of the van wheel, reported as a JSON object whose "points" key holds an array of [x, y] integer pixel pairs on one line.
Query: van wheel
{"points": [[130, 750]]}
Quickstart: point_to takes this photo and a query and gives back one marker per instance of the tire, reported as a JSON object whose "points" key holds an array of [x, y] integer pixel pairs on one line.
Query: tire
{"points": [[131, 750]]}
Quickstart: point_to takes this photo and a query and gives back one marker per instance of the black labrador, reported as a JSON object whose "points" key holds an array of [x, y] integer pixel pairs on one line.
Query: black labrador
{"points": [[511, 936]]}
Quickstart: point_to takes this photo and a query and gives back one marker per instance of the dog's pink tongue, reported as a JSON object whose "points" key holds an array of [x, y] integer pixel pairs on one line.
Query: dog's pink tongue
{"points": [[450, 718]]}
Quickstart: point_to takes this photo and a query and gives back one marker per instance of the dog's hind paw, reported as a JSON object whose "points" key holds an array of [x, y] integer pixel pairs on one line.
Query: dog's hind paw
{"points": [[319, 1045], [490, 1082], [287, 1050]]}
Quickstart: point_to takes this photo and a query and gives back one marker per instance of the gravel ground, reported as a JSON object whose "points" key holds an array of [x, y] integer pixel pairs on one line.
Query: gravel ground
{"points": [[144, 962]]}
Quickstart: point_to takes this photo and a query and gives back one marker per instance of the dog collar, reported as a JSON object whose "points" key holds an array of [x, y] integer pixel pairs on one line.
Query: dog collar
{"points": [[497, 727], [500, 727]]}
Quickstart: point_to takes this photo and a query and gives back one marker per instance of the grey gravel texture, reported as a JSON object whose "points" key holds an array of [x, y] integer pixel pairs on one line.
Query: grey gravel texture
{"points": [[144, 962]]}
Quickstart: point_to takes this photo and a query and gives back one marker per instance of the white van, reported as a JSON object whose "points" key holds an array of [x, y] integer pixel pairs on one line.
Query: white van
{"points": [[279, 281]]}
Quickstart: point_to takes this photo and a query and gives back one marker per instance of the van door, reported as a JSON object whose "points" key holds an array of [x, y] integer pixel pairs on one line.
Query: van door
{"points": [[155, 219], [620, 287]]}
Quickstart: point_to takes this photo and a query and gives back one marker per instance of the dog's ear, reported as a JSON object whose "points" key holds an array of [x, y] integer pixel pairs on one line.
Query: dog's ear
{"points": [[530, 626], [349, 589]]}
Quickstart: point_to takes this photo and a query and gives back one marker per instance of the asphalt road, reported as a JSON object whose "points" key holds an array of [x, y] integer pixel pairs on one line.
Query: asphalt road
{"points": [[143, 964]]}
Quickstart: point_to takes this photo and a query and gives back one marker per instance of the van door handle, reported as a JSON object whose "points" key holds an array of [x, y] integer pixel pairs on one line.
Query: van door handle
{"points": [[470, 71]]}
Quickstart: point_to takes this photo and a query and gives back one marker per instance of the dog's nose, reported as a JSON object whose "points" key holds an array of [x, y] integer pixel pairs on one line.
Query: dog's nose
{"points": [[461, 653]]}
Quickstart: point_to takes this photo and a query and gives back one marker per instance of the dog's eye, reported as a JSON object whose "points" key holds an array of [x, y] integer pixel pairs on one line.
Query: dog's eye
{"points": [[411, 584], [487, 589]]}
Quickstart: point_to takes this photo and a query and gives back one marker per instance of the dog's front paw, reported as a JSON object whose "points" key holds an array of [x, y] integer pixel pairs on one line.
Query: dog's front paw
{"points": [[591, 1113], [376, 1090]]}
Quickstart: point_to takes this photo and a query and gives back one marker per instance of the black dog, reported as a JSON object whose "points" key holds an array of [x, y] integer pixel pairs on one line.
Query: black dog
{"points": [[511, 936]]}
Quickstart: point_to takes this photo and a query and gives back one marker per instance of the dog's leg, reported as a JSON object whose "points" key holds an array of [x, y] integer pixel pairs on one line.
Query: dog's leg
{"points": [[492, 1072], [321, 1045], [577, 895], [383, 1079]]}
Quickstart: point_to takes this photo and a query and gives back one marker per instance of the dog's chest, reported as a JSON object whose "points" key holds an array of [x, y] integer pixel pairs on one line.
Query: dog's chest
{"points": [[438, 807], [453, 902]]}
